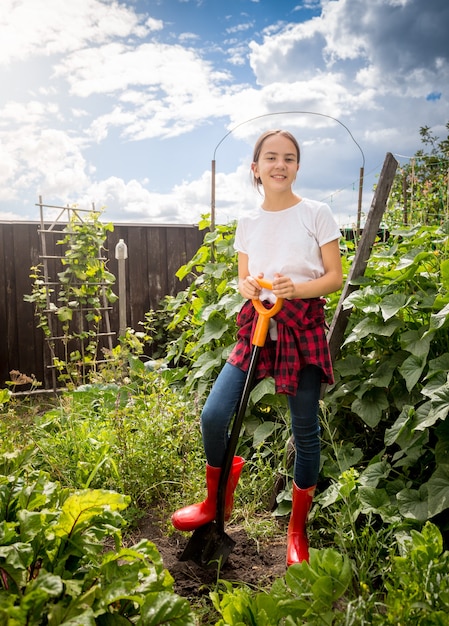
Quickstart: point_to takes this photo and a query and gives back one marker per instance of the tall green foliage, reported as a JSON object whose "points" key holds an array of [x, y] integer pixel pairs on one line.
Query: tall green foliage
{"points": [[203, 315], [389, 405]]}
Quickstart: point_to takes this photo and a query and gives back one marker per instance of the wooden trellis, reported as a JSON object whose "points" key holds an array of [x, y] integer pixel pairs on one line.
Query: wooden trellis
{"points": [[55, 223]]}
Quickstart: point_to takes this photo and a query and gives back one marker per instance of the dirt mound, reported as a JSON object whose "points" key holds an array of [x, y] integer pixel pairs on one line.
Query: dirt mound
{"points": [[249, 562]]}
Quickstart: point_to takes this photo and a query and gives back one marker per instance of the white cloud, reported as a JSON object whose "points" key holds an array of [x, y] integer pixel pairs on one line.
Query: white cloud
{"points": [[294, 53], [400, 40], [162, 89], [48, 27], [153, 24], [91, 79], [186, 203]]}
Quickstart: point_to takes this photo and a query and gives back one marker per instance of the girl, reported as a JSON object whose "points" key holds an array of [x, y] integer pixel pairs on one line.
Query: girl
{"points": [[292, 242]]}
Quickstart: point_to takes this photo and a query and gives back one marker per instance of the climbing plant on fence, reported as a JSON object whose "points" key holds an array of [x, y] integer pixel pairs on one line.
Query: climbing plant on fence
{"points": [[71, 308]]}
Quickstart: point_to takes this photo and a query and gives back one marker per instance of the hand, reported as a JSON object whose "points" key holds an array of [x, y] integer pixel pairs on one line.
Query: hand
{"points": [[249, 287], [283, 287]]}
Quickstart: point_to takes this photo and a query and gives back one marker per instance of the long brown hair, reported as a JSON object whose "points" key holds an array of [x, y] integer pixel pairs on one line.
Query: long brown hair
{"points": [[258, 147]]}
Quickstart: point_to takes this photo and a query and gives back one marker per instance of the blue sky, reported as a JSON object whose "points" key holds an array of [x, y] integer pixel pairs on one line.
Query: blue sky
{"points": [[123, 103]]}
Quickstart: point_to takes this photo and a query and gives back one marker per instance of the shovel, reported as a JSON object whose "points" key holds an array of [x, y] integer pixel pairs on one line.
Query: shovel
{"points": [[209, 546]]}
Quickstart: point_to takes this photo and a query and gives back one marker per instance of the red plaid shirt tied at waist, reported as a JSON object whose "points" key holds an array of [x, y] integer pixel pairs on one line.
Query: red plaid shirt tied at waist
{"points": [[301, 341]]}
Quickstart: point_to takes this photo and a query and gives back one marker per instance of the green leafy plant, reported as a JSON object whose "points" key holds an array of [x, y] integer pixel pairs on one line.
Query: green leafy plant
{"points": [[418, 585], [79, 300], [306, 595], [390, 399], [415, 590], [139, 436], [203, 315], [5, 397], [54, 564]]}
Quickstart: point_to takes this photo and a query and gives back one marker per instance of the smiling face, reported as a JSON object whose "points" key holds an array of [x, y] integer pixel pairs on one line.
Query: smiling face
{"points": [[276, 162]]}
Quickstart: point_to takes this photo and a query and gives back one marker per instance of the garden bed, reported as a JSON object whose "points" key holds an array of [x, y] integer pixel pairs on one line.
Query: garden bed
{"points": [[253, 563]]}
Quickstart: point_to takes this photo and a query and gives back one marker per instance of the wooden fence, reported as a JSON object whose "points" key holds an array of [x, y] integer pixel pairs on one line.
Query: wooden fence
{"points": [[155, 253]]}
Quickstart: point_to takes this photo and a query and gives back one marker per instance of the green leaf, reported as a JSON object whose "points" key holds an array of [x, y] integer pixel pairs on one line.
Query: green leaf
{"points": [[166, 608], [49, 583], [411, 370], [444, 270], [81, 508], [301, 574], [435, 382], [375, 500], [416, 342], [374, 473], [19, 555], [438, 365], [442, 446], [369, 326], [65, 314], [438, 320], [438, 486], [402, 431], [349, 365], [8, 532], [32, 523], [207, 362], [263, 432], [413, 503], [367, 300], [370, 407], [393, 303], [214, 328], [5, 396], [431, 537], [264, 388], [438, 408], [384, 373], [348, 456], [325, 592]]}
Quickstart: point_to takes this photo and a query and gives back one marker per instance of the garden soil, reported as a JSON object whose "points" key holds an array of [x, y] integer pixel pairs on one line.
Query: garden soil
{"points": [[252, 563]]}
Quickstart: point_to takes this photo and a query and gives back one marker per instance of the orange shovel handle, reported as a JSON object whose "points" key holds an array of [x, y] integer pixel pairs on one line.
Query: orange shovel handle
{"points": [[263, 321]]}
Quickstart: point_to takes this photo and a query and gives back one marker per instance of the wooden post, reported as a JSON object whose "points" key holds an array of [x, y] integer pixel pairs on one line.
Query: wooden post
{"points": [[359, 202], [370, 230], [121, 254], [212, 197], [405, 197]]}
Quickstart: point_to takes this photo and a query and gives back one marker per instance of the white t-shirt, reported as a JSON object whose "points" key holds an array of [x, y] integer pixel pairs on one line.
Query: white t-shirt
{"points": [[287, 242]]}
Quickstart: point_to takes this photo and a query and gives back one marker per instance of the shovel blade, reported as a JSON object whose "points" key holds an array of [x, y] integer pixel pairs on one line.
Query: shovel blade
{"points": [[208, 547]]}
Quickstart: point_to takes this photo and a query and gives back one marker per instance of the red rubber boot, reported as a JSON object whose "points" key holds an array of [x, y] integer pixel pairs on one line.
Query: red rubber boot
{"points": [[297, 542], [195, 515]]}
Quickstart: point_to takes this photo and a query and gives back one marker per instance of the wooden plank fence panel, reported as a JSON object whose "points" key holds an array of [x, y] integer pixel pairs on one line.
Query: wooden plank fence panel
{"points": [[3, 302], [175, 245], [138, 283], [156, 274], [10, 266], [21, 239], [155, 254]]}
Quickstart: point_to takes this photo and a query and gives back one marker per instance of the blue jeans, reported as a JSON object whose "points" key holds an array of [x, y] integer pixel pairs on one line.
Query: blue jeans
{"points": [[223, 401]]}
